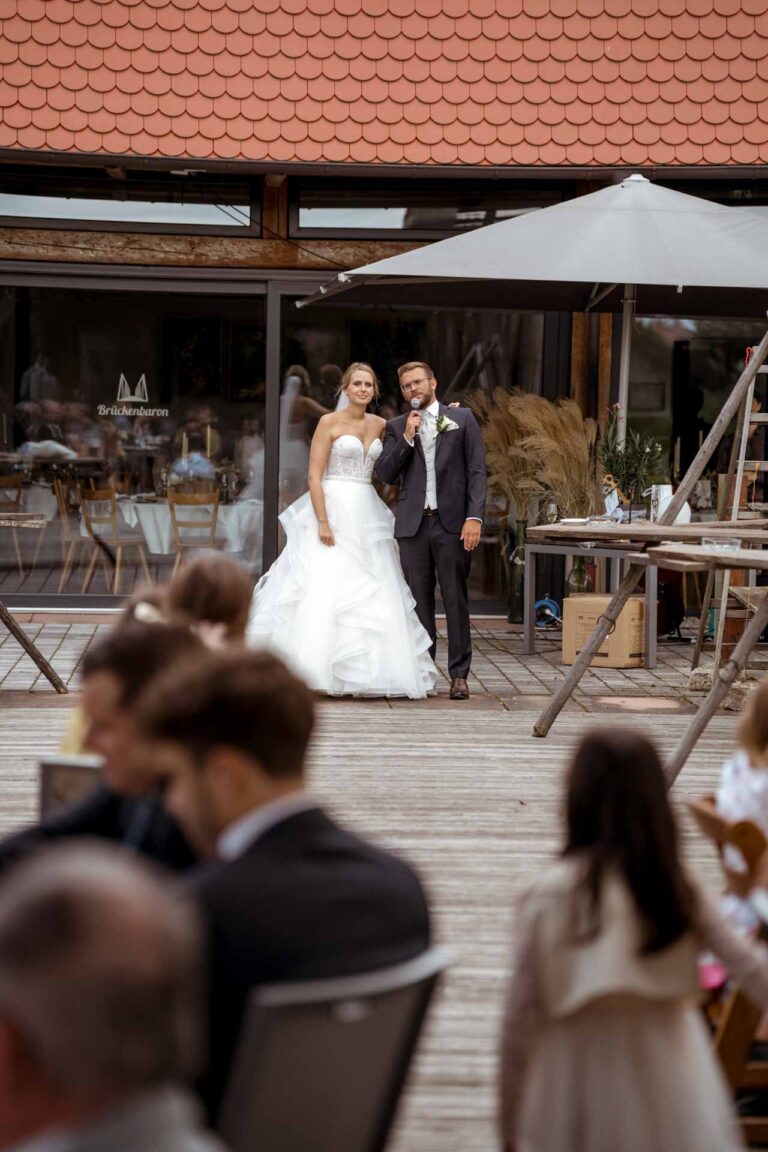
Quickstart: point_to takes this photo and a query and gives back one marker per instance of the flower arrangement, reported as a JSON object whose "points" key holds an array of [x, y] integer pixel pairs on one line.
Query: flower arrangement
{"points": [[630, 466]]}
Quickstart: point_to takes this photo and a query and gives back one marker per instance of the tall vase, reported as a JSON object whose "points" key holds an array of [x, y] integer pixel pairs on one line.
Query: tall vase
{"points": [[579, 580], [517, 574]]}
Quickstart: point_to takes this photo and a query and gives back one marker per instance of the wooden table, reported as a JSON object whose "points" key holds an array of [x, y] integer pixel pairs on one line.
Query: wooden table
{"points": [[644, 532], [28, 520]]}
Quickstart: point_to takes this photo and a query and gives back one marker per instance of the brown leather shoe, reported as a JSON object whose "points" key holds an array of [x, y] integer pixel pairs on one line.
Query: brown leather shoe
{"points": [[459, 689]]}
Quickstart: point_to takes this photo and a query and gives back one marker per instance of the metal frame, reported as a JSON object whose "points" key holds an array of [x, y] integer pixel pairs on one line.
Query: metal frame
{"points": [[348, 187], [27, 187], [617, 556]]}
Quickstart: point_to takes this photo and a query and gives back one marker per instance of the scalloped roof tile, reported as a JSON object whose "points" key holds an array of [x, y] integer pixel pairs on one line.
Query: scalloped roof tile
{"points": [[451, 82]]}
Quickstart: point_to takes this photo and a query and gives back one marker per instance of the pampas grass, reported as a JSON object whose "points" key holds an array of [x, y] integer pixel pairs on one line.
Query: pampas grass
{"points": [[537, 449], [511, 469]]}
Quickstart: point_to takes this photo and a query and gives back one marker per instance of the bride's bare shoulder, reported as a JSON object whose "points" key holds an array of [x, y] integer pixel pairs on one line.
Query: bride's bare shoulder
{"points": [[377, 422]]}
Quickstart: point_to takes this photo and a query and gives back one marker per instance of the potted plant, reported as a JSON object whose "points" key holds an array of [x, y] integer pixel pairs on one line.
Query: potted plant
{"points": [[631, 466]]}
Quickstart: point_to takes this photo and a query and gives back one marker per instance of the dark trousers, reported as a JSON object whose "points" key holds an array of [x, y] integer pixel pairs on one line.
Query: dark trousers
{"points": [[434, 554]]}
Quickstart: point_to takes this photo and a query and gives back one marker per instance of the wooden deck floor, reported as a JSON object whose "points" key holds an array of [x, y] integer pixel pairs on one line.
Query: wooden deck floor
{"points": [[473, 800]]}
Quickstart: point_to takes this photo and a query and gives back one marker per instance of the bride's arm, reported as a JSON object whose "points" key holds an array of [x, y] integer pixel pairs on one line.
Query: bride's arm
{"points": [[318, 458]]}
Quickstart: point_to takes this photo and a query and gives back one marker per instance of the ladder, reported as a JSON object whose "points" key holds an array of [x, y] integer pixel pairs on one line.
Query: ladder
{"points": [[738, 466]]}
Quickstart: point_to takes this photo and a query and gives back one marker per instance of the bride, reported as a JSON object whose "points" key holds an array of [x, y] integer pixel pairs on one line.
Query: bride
{"points": [[335, 604]]}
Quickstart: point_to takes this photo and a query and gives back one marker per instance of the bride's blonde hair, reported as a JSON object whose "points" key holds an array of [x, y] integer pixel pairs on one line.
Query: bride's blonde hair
{"points": [[359, 366]]}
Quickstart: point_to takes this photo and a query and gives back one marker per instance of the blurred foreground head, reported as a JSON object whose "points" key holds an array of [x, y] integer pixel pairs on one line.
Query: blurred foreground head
{"points": [[212, 591], [227, 735], [99, 985], [116, 669]]}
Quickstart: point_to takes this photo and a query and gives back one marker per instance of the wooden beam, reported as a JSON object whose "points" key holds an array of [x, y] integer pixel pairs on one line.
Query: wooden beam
{"points": [[604, 365], [192, 251], [580, 360]]}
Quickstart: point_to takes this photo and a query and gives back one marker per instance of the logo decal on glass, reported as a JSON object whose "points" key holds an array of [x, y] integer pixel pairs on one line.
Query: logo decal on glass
{"points": [[124, 394]]}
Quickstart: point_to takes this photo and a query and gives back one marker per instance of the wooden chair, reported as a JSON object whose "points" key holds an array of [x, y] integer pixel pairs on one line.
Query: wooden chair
{"points": [[322, 1064], [738, 1019], [69, 529], [10, 501], [63, 780], [203, 527], [104, 527]]}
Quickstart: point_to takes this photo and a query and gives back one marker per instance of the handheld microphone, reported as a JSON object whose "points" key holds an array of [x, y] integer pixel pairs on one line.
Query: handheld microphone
{"points": [[415, 406]]}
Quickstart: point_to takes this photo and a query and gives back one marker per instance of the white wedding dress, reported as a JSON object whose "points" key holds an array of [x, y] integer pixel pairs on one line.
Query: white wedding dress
{"points": [[343, 617]]}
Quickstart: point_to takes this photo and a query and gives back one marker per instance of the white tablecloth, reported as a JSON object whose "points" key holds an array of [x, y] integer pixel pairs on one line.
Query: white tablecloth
{"points": [[238, 527], [39, 498]]}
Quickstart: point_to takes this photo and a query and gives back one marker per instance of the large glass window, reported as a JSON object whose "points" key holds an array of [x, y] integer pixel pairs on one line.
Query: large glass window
{"points": [[392, 208], [467, 351], [680, 376], [180, 201], [142, 397]]}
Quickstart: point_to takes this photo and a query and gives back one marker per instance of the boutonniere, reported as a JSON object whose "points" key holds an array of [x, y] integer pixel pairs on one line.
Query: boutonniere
{"points": [[443, 424]]}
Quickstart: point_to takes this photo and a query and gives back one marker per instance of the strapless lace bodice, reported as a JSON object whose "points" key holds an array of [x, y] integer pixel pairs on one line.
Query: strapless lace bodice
{"points": [[349, 461]]}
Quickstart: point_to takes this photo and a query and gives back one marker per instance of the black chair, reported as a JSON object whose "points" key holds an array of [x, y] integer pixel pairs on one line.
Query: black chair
{"points": [[64, 779], [321, 1064]]}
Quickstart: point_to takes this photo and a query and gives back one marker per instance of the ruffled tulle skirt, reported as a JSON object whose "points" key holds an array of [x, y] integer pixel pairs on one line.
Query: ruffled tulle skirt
{"points": [[627, 1075], [343, 617]]}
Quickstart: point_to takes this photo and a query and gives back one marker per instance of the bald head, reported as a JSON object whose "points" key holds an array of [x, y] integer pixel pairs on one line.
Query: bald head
{"points": [[98, 971]]}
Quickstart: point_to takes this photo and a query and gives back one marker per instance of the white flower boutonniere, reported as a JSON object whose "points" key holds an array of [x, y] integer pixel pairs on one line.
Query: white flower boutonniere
{"points": [[443, 424]]}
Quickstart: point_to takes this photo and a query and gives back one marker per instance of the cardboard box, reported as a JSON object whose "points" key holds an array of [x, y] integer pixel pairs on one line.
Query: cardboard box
{"points": [[624, 647]]}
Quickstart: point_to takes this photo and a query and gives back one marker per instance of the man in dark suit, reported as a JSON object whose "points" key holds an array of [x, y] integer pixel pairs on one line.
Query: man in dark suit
{"points": [[289, 895], [437, 456], [125, 806]]}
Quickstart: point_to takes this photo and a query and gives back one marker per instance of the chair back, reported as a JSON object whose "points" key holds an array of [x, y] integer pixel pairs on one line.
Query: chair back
{"points": [[741, 834], [99, 508], [323, 1063], [200, 524], [64, 779], [10, 493], [68, 531]]}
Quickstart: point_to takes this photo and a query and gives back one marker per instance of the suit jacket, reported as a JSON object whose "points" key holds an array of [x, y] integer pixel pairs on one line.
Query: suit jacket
{"points": [[459, 472], [163, 1120], [140, 823], [307, 900]]}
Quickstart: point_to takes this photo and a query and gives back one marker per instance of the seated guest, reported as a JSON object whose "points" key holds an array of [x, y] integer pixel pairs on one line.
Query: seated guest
{"points": [[212, 593], [125, 806], [742, 793], [99, 986], [289, 895], [603, 1046]]}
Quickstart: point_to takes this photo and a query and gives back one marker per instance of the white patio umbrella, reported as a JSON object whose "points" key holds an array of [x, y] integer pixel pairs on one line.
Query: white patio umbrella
{"points": [[635, 246]]}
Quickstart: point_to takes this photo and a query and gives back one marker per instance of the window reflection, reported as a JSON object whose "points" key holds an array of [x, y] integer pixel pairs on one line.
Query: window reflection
{"points": [[138, 396], [468, 351]]}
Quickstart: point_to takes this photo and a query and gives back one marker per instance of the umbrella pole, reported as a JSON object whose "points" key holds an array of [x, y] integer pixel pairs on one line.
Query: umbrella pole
{"points": [[630, 298]]}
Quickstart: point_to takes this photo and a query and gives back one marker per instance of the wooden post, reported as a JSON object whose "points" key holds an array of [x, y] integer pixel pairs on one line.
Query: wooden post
{"points": [[32, 651], [632, 578], [580, 360], [720, 686], [604, 368]]}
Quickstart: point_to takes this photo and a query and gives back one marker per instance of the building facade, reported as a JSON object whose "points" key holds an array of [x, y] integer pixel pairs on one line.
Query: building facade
{"points": [[176, 174]]}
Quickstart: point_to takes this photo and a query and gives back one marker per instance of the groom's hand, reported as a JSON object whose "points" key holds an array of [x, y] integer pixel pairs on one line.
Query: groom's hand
{"points": [[412, 425], [470, 534]]}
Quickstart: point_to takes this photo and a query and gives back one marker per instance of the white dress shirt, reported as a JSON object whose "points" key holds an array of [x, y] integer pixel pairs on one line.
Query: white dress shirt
{"points": [[243, 833], [428, 435]]}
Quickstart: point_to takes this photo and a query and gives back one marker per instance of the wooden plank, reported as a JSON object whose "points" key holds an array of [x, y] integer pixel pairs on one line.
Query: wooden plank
{"points": [[645, 531], [192, 251], [695, 557], [475, 802]]}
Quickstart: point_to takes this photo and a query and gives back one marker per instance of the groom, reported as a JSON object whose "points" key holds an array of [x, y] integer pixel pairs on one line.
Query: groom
{"points": [[437, 455]]}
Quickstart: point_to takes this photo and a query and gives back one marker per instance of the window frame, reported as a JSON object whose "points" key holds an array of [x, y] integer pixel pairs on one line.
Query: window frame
{"points": [[33, 183], [550, 191]]}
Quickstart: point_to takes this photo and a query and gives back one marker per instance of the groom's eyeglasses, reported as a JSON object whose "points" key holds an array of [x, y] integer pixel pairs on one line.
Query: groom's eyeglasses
{"points": [[413, 384]]}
